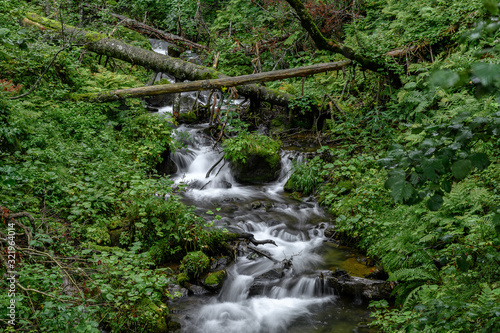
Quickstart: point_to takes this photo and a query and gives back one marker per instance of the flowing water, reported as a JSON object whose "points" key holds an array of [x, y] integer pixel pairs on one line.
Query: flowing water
{"points": [[282, 291], [285, 294]]}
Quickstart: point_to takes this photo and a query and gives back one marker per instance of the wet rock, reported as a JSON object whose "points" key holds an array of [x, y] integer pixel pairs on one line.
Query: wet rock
{"points": [[265, 281], [187, 117], [158, 101], [223, 184], [256, 204], [273, 274], [195, 289], [330, 232], [176, 290], [344, 284], [256, 170], [215, 280], [166, 166], [173, 326], [219, 263]]}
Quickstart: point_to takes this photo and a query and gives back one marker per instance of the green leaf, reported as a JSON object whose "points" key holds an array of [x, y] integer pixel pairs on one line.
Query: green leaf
{"points": [[432, 168], [435, 202], [395, 176], [460, 169], [445, 79], [402, 191], [479, 160], [446, 186], [491, 6], [486, 73]]}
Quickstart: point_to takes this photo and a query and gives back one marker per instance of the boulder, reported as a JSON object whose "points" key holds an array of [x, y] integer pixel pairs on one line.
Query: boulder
{"points": [[256, 170], [344, 284], [215, 280], [166, 166]]}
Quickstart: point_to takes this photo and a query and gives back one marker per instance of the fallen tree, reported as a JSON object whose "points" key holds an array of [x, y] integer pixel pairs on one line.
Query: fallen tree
{"points": [[182, 70], [211, 84]]}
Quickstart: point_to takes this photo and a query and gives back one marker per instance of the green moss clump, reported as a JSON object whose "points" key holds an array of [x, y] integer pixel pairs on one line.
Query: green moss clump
{"points": [[238, 149], [215, 278], [187, 117], [194, 264], [182, 279], [345, 186]]}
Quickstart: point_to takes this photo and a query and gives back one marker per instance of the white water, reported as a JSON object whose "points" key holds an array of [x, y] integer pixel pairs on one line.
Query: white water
{"points": [[286, 294]]}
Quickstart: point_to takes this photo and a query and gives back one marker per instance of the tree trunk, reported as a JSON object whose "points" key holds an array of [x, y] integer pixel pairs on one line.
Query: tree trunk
{"points": [[182, 70], [323, 43], [212, 84]]}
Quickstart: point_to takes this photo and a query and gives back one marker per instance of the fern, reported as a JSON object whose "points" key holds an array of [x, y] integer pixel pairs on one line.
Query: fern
{"points": [[424, 273]]}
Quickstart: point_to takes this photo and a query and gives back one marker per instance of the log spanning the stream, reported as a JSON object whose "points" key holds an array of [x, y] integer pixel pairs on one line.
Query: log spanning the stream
{"points": [[211, 84], [182, 70]]}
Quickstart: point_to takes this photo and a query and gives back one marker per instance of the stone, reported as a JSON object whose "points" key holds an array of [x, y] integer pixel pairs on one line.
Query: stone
{"points": [[166, 166], [215, 280], [256, 170], [344, 284]]}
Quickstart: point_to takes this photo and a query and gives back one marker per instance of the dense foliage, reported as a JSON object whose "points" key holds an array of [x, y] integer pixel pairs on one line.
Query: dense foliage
{"points": [[411, 174]]}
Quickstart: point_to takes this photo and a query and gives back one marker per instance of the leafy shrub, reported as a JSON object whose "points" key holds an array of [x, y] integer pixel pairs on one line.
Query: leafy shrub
{"points": [[306, 176]]}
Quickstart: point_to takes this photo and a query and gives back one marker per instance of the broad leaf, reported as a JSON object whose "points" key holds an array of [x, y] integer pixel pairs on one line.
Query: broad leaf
{"points": [[460, 169], [446, 186], [479, 160], [435, 202]]}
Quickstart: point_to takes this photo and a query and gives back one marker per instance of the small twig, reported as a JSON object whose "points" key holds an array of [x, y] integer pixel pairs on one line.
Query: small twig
{"points": [[262, 254], [213, 166]]}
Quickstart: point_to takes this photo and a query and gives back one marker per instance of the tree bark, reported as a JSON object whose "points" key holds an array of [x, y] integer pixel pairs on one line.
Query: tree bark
{"points": [[212, 84], [323, 43], [182, 70]]}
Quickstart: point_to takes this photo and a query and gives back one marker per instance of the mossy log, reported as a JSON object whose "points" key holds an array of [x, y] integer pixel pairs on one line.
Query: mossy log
{"points": [[182, 70], [212, 84]]}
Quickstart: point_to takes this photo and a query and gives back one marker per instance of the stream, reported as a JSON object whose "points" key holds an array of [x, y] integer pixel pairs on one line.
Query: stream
{"points": [[261, 295]]}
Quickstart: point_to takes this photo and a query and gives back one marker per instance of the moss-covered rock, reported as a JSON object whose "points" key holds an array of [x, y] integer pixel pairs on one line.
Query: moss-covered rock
{"points": [[187, 117], [214, 280], [182, 279], [194, 264], [254, 158]]}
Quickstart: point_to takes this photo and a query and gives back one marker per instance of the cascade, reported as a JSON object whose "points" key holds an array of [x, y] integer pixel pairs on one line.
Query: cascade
{"points": [[259, 295]]}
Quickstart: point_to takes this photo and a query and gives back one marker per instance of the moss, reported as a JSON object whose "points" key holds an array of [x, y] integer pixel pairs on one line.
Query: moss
{"points": [[94, 36], [188, 117], [162, 82], [215, 278], [55, 25], [182, 279], [195, 263], [118, 223]]}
